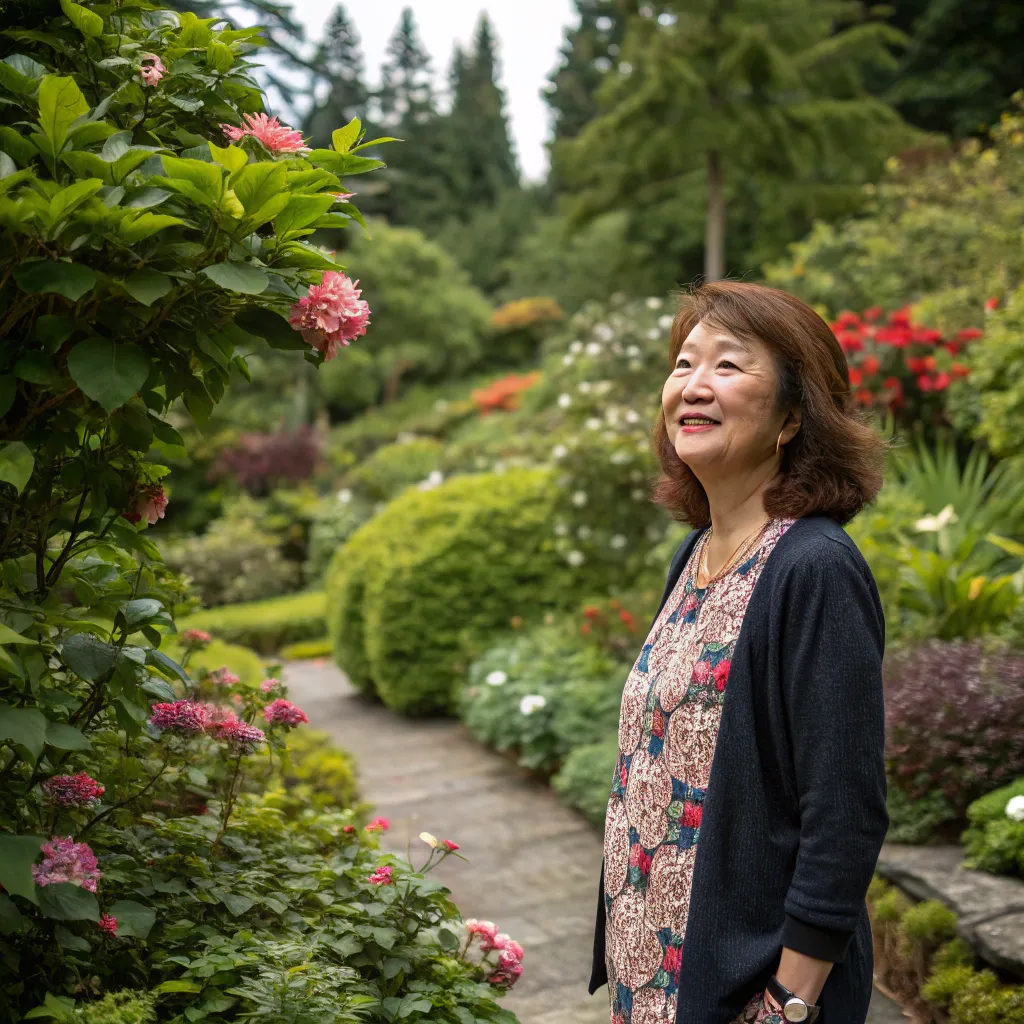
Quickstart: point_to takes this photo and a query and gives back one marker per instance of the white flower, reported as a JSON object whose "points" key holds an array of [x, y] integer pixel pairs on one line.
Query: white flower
{"points": [[1015, 808], [575, 558], [567, 360], [618, 541], [576, 348], [632, 416], [583, 387], [634, 352], [565, 401], [579, 499], [496, 678], [602, 387], [344, 496], [654, 302], [584, 533], [932, 524], [498, 467], [654, 334], [436, 477], [593, 348], [561, 530], [637, 494], [531, 703], [620, 458], [430, 840], [593, 423], [665, 322], [604, 332], [559, 451], [405, 437]]}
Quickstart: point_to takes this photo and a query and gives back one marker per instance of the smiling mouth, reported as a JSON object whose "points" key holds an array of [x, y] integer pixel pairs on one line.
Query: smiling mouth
{"points": [[697, 421]]}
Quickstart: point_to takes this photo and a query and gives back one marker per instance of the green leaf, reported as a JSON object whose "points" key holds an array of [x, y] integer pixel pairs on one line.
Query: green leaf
{"points": [[88, 656], [146, 286], [343, 139], [53, 331], [233, 158], [14, 81], [188, 987], [16, 464], [146, 224], [301, 212], [271, 327], [66, 737], [108, 372], [238, 277], [376, 142], [54, 1007], [61, 103], [68, 199], [133, 919], [236, 903], [17, 145], [17, 855], [166, 433], [8, 636], [10, 916], [198, 401], [7, 166], [133, 427], [140, 611], [64, 901], [71, 280], [168, 666], [256, 184], [69, 940], [160, 689], [8, 392], [37, 368], [344, 163], [87, 22], [219, 56], [268, 211], [207, 177]]}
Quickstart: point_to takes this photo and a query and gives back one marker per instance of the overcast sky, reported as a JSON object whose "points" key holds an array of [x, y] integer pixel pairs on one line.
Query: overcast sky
{"points": [[529, 35]]}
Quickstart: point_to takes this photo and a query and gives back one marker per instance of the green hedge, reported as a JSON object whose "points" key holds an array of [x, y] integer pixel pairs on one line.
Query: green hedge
{"points": [[264, 626], [995, 841], [423, 586], [585, 779]]}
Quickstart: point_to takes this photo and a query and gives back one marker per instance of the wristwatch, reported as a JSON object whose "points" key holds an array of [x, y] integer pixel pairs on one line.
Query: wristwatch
{"points": [[793, 1007]]}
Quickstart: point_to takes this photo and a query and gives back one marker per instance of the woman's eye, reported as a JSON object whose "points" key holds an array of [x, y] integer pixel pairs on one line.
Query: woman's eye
{"points": [[728, 365]]}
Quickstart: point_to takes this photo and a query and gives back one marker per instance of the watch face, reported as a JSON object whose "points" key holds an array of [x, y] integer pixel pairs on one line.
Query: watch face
{"points": [[795, 1010]]}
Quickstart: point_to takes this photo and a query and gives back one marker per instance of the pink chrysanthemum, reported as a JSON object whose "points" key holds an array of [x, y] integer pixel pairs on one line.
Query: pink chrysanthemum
{"points": [[184, 717], [64, 860], [108, 923], [378, 825], [194, 638], [271, 684], [382, 876], [73, 790], [277, 137], [223, 676], [331, 314], [152, 69], [284, 712], [239, 736], [150, 504], [488, 929]]}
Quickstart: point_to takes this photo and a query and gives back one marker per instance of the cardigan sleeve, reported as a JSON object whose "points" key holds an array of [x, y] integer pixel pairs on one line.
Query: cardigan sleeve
{"points": [[833, 637]]}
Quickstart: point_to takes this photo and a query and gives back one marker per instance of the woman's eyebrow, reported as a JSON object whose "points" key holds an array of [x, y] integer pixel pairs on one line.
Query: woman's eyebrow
{"points": [[721, 341]]}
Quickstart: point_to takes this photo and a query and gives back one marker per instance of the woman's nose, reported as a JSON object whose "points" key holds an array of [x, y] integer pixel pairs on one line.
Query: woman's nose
{"points": [[696, 387]]}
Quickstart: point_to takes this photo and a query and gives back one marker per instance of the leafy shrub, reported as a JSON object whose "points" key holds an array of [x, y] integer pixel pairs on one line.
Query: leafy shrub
{"points": [[392, 468], [954, 720], [258, 462], [316, 773], [246, 664], [119, 1008], [974, 997], [519, 329], [334, 521], [585, 778], [919, 819], [416, 589], [995, 839], [264, 626]]}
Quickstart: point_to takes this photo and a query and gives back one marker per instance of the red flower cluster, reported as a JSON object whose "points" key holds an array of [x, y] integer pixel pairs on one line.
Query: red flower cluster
{"points": [[382, 876], [108, 924], [78, 790], [378, 825], [194, 638], [673, 962], [640, 858], [503, 394], [284, 712], [692, 814], [612, 626]]}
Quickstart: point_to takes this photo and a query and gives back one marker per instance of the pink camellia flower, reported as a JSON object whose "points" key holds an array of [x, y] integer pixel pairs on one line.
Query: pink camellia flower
{"points": [[488, 929], [150, 504], [223, 676], [183, 717], [382, 876], [153, 71], [64, 860], [449, 845], [73, 790], [271, 684], [378, 825], [237, 735], [331, 314], [194, 638], [108, 924], [284, 712], [508, 947], [277, 137]]}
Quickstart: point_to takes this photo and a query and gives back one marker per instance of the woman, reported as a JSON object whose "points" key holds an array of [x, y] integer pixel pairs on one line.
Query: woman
{"points": [[748, 804]]}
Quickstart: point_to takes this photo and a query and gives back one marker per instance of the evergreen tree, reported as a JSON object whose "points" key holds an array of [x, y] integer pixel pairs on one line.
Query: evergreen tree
{"points": [[340, 61], [406, 95], [767, 91]]}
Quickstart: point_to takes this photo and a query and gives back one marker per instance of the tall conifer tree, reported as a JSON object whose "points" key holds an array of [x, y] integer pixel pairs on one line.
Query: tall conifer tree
{"points": [[340, 61]]}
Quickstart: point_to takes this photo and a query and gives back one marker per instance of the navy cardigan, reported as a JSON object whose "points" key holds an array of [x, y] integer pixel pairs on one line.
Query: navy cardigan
{"points": [[795, 813]]}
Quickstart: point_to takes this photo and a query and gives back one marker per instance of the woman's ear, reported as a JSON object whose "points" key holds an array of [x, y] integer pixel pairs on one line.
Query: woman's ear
{"points": [[791, 426]]}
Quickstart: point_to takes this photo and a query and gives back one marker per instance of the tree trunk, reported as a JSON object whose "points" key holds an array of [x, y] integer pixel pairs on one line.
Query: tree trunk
{"points": [[714, 229]]}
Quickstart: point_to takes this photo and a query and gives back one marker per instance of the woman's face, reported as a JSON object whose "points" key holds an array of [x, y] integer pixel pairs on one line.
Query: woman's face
{"points": [[720, 403]]}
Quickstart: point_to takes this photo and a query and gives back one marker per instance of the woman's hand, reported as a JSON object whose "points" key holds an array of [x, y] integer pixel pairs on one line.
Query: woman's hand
{"points": [[803, 975]]}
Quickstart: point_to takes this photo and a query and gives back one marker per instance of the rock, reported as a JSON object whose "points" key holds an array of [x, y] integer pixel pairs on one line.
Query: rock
{"points": [[1001, 942]]}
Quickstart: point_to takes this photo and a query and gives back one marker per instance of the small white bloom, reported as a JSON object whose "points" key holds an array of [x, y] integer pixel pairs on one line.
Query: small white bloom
{"points": [[559, 451], [634, 352], [496, 678], [604, 332], [932, 524], [635, 365], [654, 302], [440, 405], [575, 558], [531, 703], [620, 458], [632, 416], [1015, 808], [430, 840], [618, 541], [637, 494], [654, 334], [567, 360], [584, 533], [579, 499], [405, 437], [583, 387], [576, 348], [593, 423], [665, 322], [498, 467], [565, 401], [561, 530], [602, 387], [344, 496], [593, 348], [436, 477]]}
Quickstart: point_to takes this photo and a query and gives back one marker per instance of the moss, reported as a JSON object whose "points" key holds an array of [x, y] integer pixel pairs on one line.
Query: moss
{"points": [[944, 984], [891, 906], [926, 925]]}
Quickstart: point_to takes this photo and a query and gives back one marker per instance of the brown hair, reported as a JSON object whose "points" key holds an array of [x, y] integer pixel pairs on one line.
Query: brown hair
{"points": [[833, 466]]}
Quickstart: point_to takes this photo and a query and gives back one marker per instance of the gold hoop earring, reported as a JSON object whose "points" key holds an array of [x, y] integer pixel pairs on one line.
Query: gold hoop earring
{"points": [[778, 444]]}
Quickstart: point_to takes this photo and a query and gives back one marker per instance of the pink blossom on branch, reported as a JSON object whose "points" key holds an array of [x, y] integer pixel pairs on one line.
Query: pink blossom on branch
{"points": [[284, 712], [277, 137], [149, 504], [382, 876], [64, 860], [152, 69], [271, 684], [182, 717], [73, 790], [331, 314], [240, 737], [223, 676], [108, 924], [378, 825], [195, 638]]}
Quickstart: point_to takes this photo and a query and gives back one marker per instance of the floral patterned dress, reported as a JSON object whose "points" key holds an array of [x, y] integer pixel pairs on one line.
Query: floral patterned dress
{"points": [[668, 727]]}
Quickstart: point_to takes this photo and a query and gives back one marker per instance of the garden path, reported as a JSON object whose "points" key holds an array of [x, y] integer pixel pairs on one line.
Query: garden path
{"points": [[532, 861]]}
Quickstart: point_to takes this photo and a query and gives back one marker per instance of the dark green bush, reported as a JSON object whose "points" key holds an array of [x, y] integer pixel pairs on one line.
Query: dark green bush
{"points": [[995, 841], [585, 779], [394, 467]]}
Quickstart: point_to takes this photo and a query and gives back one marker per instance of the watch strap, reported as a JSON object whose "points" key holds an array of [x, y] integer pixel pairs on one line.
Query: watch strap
{"points": [[782, 995]]}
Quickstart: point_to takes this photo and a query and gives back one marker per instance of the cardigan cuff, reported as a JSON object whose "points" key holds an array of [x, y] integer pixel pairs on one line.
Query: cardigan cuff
{"points": [[821, 943]]}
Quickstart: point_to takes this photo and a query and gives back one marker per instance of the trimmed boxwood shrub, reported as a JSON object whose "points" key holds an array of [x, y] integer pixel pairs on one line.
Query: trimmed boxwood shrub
{"points": [[423, 586], [264, 626], [394, 467]]}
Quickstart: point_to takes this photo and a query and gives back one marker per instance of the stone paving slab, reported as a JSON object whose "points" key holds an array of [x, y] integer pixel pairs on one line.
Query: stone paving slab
{"points": [[533, 863]]}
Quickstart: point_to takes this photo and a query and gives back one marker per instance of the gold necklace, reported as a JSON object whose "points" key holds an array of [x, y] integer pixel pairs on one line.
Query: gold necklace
{"points": [[741, 549]]}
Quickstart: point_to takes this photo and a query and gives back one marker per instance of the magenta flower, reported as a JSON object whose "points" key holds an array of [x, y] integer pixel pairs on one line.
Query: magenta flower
{"points": [[73, 790], [64, 860], [285, 712], [183, 717], [223, 676], [271, 684], [150, 504], [449, 845], [238, 736], [195, 638], [153, 71], [331, 314], [486, 928], [382, 876], [108, 924], [277, 137], [378, 825]]}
